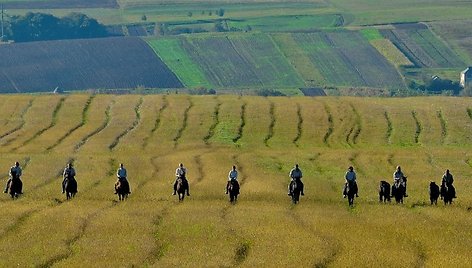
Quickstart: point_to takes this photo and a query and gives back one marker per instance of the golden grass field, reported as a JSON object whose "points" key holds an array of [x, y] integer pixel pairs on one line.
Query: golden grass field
{"points": [[264, 138]]}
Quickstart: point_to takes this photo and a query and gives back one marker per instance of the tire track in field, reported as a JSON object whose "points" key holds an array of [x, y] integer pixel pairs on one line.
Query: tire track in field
{"points": [[130, 128], [443, 122], [243, 249], [216, 121], [106, 122], [388, 134], [330, 129], [355, 130], [22, 118], [184, 123], [242, 125], [51, 125], [299, 125], [81, 124], [270, 133], [333, 245], [418, 126], [157, 122]]}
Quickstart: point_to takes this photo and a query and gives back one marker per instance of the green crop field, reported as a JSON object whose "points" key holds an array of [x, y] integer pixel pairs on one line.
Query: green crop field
{"points": [[264, 138]]}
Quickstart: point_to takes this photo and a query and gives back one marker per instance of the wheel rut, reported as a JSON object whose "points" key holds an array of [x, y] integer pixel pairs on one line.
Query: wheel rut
{"points": [[136, 122], [157, 122], [216, 121], [241, 126], [270, 133], [22, 118], [184, 123], [299, 125]]}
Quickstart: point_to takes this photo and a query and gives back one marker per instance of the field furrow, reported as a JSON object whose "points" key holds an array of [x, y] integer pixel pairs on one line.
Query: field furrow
{"points": [[164, 103], [130, 128], [15, 119]]}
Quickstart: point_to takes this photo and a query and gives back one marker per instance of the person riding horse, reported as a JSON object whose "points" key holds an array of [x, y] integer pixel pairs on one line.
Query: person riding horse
{"points": [[448, 180], [122, 176], [15, 173], [69, 173], [181, 173], [296, 175], [232, 178], [350, 181], [398, 179]]}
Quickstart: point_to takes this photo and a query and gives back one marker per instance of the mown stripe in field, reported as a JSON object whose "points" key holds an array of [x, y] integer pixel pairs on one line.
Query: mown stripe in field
{"points": [[22, 120], [184, 123], [243, 123], [270, 133], [299, 125], [358, 124], [418, 126], [51, 125], [216, 121], [81, 124], [388, 134], [98, 130], [330, 129], [443, 122], [157, 122], [130, 128]]}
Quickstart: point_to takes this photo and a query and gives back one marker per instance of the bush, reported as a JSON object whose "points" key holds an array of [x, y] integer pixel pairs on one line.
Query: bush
{"points": [[269, 92]]}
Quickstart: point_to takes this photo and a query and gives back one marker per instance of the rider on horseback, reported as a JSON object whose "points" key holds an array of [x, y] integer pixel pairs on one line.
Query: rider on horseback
{"points": [[399, 179], [232, 178], [69, 173], [350, 179], [296, 175], [180, 173], [15, 173], [122, 177], [448, 180]]}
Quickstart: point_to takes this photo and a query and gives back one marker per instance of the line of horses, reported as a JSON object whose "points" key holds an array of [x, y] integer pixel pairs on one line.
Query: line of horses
{"points": [[386, 191]]}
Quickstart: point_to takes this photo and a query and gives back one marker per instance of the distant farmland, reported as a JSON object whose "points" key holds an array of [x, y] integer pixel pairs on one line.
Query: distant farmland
{"points": [[82, 64], [422, 48], [60, 4]]}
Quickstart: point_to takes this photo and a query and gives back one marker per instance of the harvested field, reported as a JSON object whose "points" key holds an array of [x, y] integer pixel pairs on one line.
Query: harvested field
{"points": [[346, 58], [458, 34], [108, 63], [422, 47], [61, 4]]}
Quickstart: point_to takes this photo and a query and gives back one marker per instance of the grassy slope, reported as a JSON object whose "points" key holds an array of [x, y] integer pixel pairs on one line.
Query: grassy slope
{"points": [[257, 134]]}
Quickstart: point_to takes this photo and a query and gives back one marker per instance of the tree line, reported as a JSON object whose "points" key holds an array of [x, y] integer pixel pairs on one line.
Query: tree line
{"points": [[41, 26]]}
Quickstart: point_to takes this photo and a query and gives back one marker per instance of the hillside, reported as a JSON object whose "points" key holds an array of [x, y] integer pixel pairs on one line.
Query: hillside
{"points": [[264, 138]]}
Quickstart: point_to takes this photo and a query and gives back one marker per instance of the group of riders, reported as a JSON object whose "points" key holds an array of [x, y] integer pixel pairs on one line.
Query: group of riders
{"points": [[399, 179]]}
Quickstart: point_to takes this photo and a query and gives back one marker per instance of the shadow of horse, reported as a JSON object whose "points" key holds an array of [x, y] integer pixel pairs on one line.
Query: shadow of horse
{"points": [[182, 187], [122, 189], [16, 187], [71, 188], [233, 190], [295, 191], [433, 193], [384, 192], [350, 193], [447, 193]]}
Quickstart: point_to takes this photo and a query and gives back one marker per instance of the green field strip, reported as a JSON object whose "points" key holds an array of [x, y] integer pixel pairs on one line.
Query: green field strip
{"points": [[229, 120], [171, 52], [33, 123], [371, 34], [284, 126], [171, 120], [85, 111], [242, 124], [106, 121], [68, 119], [391, 52], [18, 121], [159, 107], [202, 121]]}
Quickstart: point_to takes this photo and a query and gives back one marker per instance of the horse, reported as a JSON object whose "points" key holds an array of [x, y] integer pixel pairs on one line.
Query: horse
{"points": [[384, 192], [447, 193], [351, 193], [233, 190], [122, 189], [433, 193], [70, 187], [398, 191], [16, 187], [295, 191], [182, 186]]}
